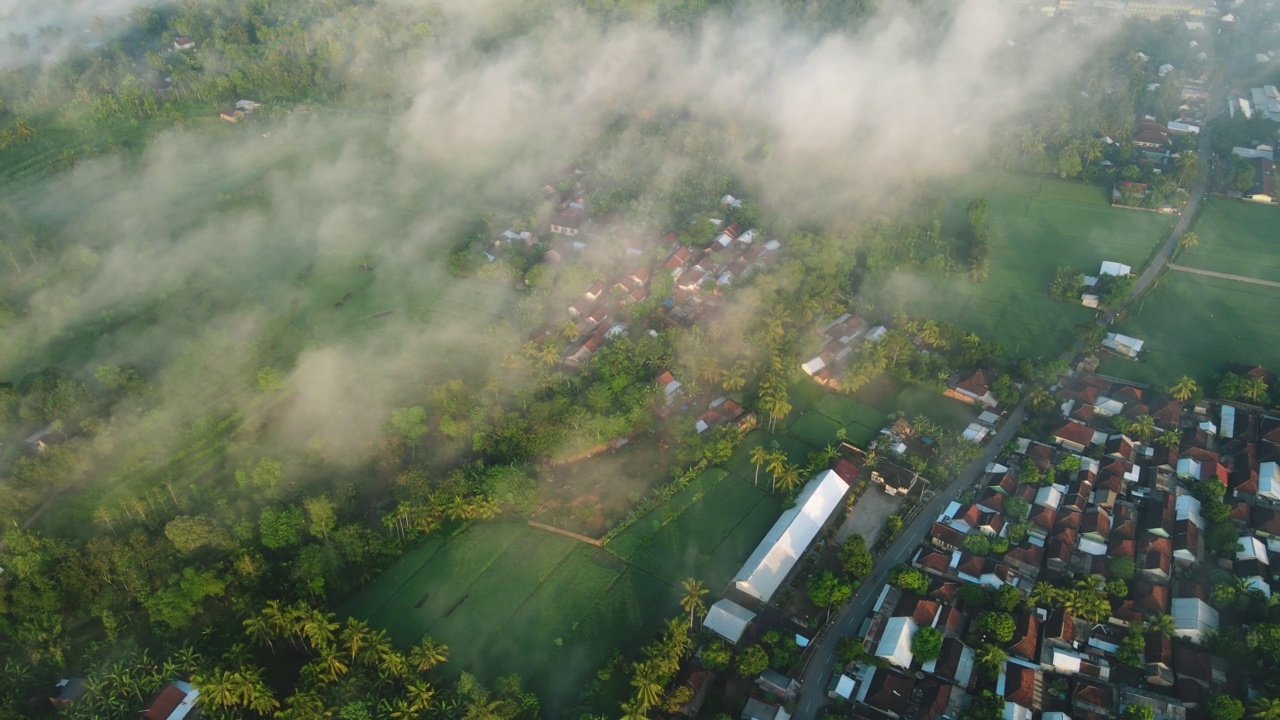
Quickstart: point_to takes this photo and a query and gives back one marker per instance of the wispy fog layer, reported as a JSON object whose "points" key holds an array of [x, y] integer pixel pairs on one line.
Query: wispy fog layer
{"points": [[224, 244]]}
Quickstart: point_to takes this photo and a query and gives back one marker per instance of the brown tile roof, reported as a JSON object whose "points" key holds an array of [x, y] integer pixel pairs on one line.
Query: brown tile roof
{"points": [[1093, 694], [1020, 685], [1027, 555], [165, 703], [1150, 597], [1074, 432], [1026, 637], [949, 658], [1060, 626], [934, 697], [975, 384], [889, 691], [1159, 649], [934, 560], [944, 590], [920, 610], [1042, 517], [1193, 663], [946, 535]]}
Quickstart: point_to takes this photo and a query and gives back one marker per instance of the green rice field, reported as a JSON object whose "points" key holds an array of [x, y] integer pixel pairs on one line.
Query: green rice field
{"points": [[1197, 325], [1037, 224], [510, 598], [1236, 237]]}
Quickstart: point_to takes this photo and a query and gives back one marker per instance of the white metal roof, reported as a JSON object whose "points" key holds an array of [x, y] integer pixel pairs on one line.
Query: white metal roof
{"points": [[782, 547], [895, 643], [728, 619]]}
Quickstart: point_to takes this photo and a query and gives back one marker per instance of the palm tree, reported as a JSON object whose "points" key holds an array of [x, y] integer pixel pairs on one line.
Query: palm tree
{"points": [[1039, 399], [1254, 389], [692, 600], [648, 688], [334, 665], [1184, 389], [634, 711], [1265, 709], [354, 636], [1093, 583], [219, 689], [991, 658], [259, 629], [1044, 595], [735, 378], [427, 654], [1161, 623], [481, 707], [1144, 426], [420, 696], [1188, 240], [1091, 151], [775, 467], [789, 479], [1171, 439], [759, 456]]}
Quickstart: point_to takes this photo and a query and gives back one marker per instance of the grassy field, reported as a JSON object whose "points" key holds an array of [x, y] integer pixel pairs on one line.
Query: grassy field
{"points": [[1237, 238], [510, 598], [1196, 325], [1037, 224]]}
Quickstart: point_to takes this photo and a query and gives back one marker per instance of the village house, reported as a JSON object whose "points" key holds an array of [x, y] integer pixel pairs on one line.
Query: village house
{"points": [[973, 389]]}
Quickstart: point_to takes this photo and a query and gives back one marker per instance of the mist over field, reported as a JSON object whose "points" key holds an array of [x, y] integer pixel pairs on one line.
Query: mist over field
{"points": [[203, 237]]}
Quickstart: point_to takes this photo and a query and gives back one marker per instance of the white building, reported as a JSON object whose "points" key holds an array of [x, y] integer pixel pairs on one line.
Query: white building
{"points": [[1123, 344], [1115, 268], [1192, 618], [728, 619], [1269, 480], [895, 643], [787, 540]]}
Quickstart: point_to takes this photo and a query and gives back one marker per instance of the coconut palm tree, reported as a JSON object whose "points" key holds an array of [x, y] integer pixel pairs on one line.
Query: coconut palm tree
{"points": [[1161, 623], [647, 684], [259, 630], [1171, 439], [427, 654], [354, 636], [991, 658], [1039, 399], [735, 378], [1254, 390], [1044, 595], [790, 478], [777, 464], [692, 600], [1188, 240], [1184, 389], [1144, 426], [634, 710], [1265, 709], [480, 707], [758, 456], [420, 695]]}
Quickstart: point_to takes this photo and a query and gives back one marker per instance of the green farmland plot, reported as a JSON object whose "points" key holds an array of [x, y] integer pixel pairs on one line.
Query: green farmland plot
{"points": [[1197, 325], [1036, 224], [1238, 238]]}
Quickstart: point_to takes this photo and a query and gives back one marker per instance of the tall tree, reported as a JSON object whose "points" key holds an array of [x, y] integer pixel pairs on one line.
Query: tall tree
{"points": [[692, 599]]}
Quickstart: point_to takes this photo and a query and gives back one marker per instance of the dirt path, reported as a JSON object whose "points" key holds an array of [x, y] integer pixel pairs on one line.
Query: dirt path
{"points": [[1224, 276]]}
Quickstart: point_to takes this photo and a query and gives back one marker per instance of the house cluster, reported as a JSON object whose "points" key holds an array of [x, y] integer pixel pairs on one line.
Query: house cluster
{"points": [[1089, 506], [742, 611], [241, 110], [840, 338], [974, 388], [175, 701]]}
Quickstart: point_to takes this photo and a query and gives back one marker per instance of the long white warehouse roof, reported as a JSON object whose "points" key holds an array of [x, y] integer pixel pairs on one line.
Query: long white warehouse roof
{"points": [[782, 547]]}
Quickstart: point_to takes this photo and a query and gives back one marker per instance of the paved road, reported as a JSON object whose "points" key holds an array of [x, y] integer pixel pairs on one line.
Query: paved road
{"points": [[817, 672], [1224, 276], [1198, 193]]}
